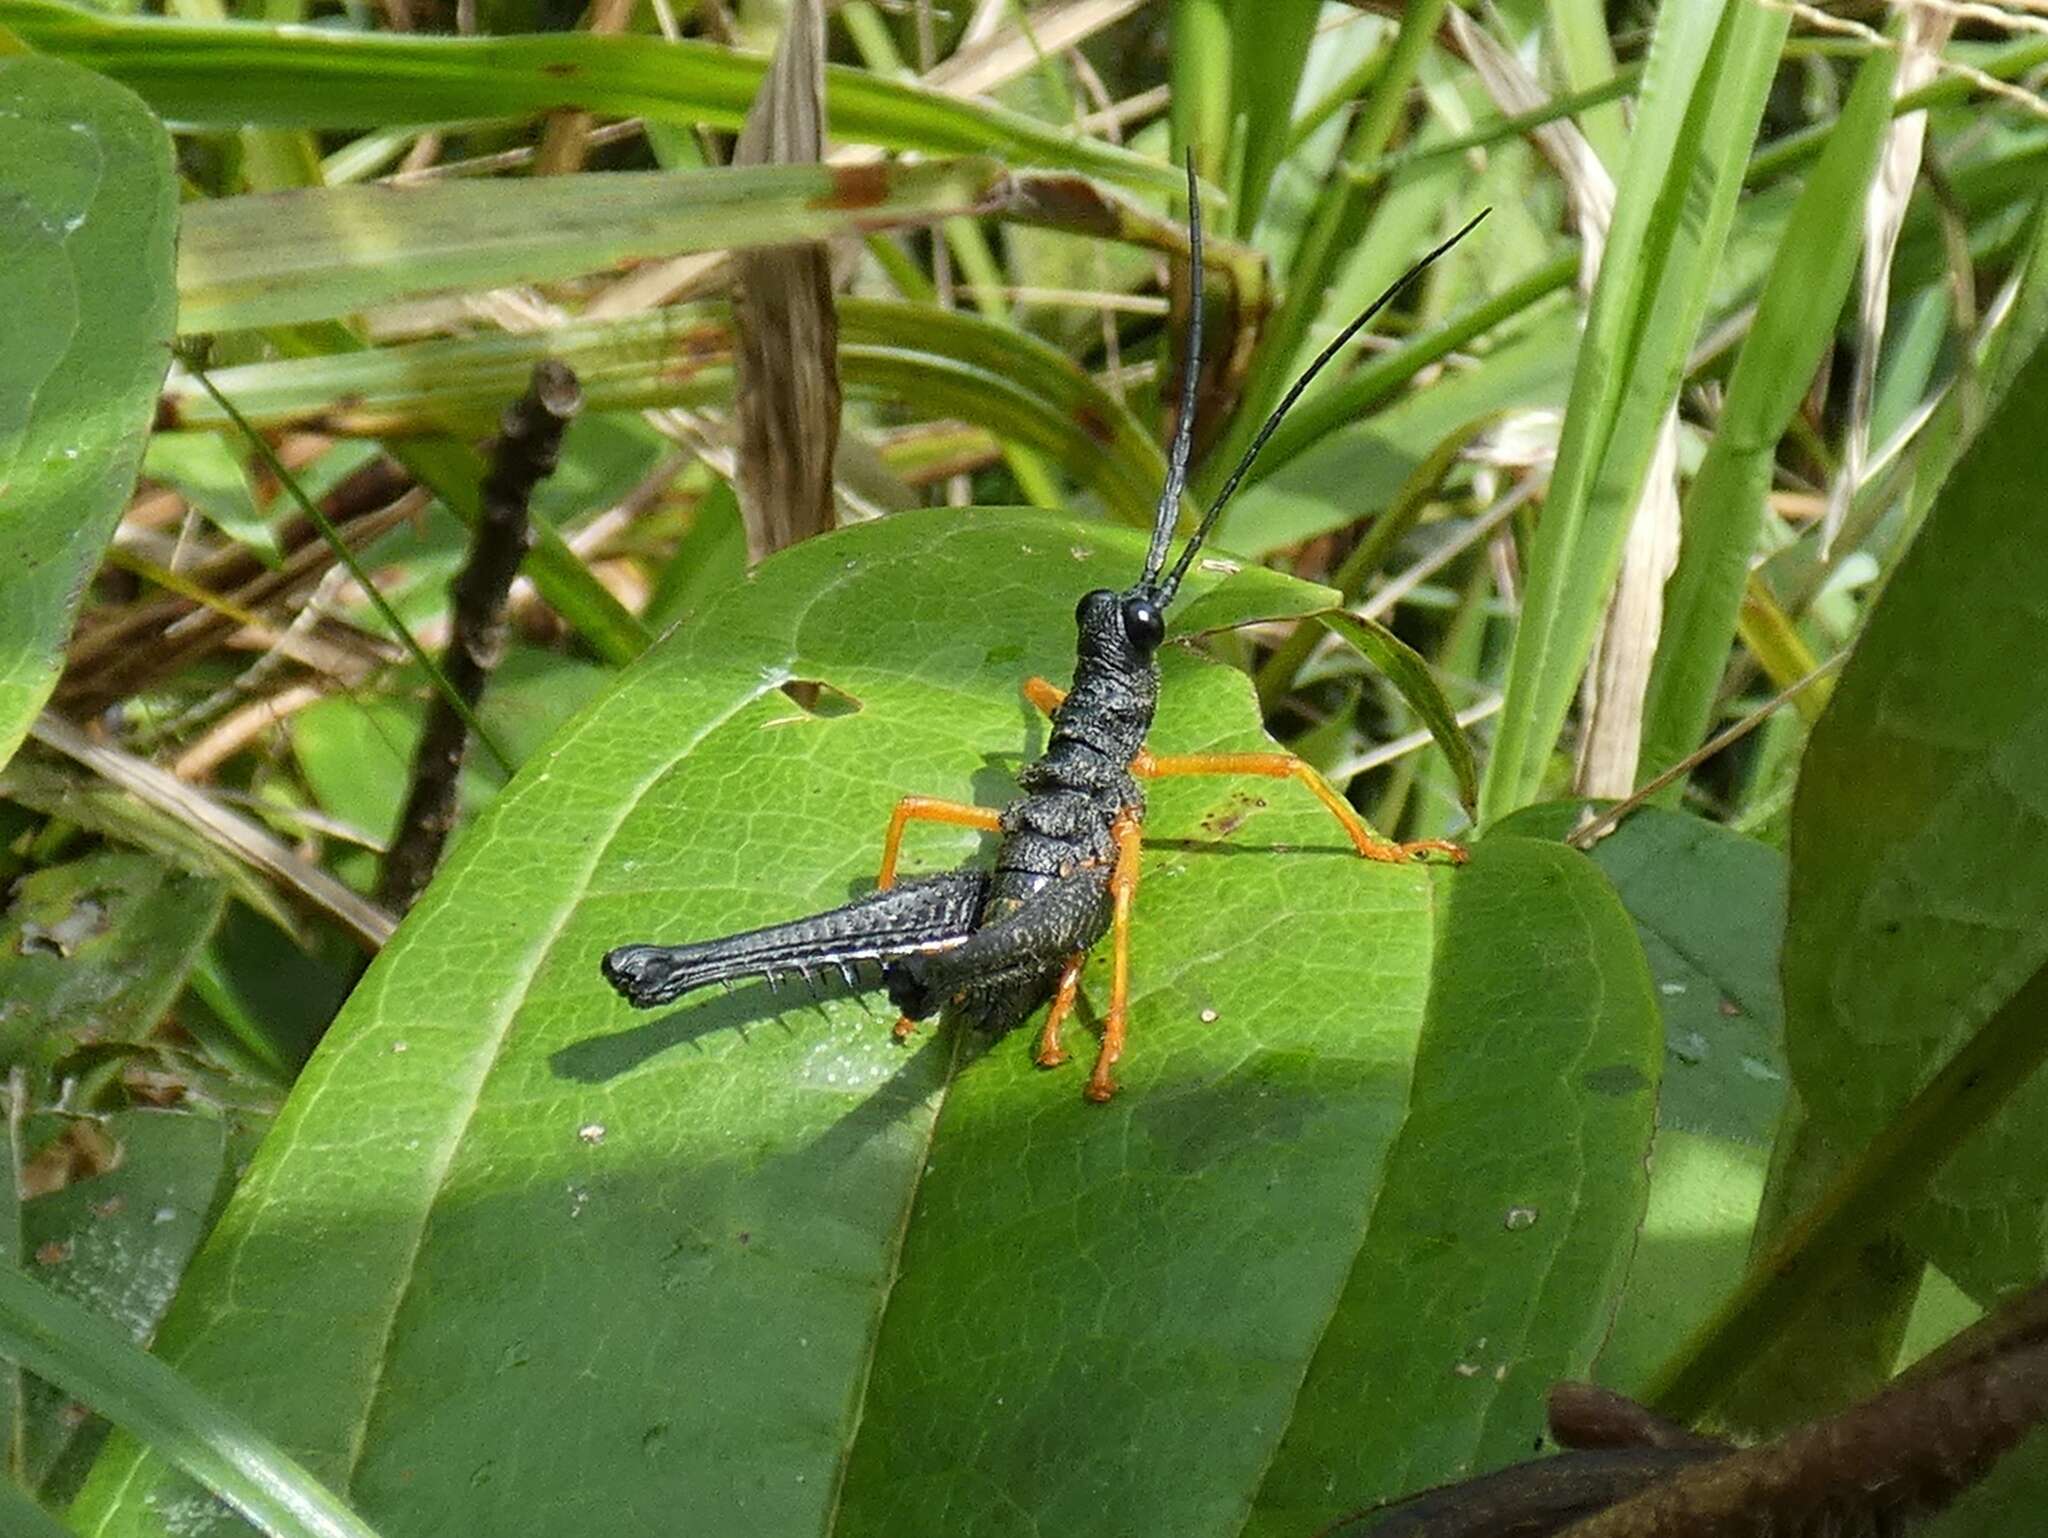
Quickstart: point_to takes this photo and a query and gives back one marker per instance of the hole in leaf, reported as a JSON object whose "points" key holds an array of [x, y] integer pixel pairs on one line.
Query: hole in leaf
{"points": [[819, 699]]}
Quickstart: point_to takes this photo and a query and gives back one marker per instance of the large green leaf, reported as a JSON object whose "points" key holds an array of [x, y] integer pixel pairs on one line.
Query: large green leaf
{"points": [[747, 1265], [87, 219], [1508, 1247], [1919, 902]]}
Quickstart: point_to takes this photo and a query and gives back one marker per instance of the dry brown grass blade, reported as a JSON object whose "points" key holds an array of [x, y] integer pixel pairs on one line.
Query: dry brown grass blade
{"points": [[566, 140], [131, 649], [982, 65], [225, 830], [787, 403]]}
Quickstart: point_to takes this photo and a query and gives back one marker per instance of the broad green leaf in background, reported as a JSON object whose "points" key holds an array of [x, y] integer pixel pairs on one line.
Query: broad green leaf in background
{"points": [[1795, 322], [1709, 909], [235, 75], [88, 214], [285, 257], [1919, 904], [94, 951], [745, 1258], [1709, 67], [204, 469]]}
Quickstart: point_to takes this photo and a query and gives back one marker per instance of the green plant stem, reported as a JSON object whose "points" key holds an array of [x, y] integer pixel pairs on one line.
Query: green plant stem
{"points": [[1868, 1197], [347, 557], [1795, 149], [89, 1359], [1495, 129]]}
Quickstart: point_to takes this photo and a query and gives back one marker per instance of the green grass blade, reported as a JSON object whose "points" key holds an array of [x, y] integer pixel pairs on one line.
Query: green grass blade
{"points": [[1199, 35], [1351, 399], [21, 1517], [1268, 52], [1333, 232], [1795, 323], [1587, 54], [311, 255], [1709, 68], [93, 1362], [1019, 387], [236, 75]]}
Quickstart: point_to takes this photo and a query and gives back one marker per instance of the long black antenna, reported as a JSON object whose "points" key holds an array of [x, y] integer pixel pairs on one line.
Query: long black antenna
{"points": [[1187, 555], [1168, 512]]}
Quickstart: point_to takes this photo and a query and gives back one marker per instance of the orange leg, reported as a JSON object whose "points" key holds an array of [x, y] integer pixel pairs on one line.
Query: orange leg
{"points": [[1050, 1053], [1045, 695], [928, 809], [1123, 886], [904, 1028], [1285, 766]]}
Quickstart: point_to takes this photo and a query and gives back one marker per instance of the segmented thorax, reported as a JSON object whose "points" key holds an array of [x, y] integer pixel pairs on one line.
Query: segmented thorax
{"points": [[1073, 792]]}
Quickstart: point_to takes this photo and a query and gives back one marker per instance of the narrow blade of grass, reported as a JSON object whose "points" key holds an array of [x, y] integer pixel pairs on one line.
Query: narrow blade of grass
{"points": [[234, 75], [89, 1359], [1709, 68], [1795, 321]]}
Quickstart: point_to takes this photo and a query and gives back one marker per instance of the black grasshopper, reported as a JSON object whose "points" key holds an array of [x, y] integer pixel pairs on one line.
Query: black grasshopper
{"points": [[997, 944]]}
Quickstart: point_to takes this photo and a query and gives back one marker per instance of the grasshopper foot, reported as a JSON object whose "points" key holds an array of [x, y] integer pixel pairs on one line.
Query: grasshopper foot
{"points": [[1442, 849]]}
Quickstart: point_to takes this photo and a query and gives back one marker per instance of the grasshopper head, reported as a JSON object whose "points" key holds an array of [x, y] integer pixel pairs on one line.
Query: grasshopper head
{"points": [[1121, 627]]}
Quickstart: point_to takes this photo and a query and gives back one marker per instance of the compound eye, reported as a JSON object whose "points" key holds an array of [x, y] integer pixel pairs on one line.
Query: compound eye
{"points": [[1143, 623]]}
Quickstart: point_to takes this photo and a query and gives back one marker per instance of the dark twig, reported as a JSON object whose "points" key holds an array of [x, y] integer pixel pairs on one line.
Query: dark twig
{"points": [[524, 456], [1902, 1454], [1867, 1472]]}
